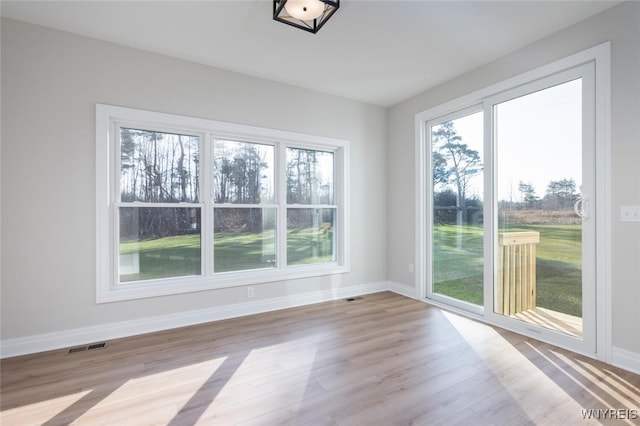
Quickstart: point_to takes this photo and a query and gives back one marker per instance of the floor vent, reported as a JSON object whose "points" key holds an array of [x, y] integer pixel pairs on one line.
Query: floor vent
{"points": [[351, 299], [100, 345], [85, 348]]}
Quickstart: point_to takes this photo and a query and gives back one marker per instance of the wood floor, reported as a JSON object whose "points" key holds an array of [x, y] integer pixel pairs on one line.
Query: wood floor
{"points": [[553, 320], [380, 360]]}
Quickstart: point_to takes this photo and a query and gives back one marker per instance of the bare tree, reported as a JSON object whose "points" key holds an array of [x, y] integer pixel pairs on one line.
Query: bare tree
{"points": [[462, 163]]}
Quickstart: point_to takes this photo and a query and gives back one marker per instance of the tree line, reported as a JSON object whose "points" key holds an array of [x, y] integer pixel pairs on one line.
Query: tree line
{"points": [[160, 167], [454, 164], [559, 195]]}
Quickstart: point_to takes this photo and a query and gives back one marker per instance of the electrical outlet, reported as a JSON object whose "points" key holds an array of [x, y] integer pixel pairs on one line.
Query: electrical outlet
{"points": [[630, 213], [411, 268], [249, 291]]}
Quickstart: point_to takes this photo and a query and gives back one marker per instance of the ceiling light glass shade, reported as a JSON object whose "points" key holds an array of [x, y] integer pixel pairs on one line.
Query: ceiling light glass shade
{"points": [[308, 15], [304, 10]]}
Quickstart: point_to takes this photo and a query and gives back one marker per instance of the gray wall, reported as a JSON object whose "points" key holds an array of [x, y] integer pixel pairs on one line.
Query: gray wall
{"points": [[51, 82], [621, 26]]}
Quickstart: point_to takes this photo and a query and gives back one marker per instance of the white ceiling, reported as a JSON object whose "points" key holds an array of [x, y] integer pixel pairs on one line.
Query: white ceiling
{"points": [[380, 52]]}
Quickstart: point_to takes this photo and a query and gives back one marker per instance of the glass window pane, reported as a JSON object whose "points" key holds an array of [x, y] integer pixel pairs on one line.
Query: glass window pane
{"points": [[159, 167], [244, 239], [158, 242], [310, 236], [243, 173], [309, 176], [539, 180], [457, 208]]}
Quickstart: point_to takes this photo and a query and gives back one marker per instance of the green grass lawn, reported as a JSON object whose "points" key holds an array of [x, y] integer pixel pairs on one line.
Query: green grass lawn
{"points": [[458, 263], [161, 258], [180, 255], [559, 267], [458, 267], [244, 250]]}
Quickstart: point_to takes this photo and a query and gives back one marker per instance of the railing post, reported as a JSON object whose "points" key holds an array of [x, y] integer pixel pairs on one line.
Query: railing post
{"points": [[516, 272]]}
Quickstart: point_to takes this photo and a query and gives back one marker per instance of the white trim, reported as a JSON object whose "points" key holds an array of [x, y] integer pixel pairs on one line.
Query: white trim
{"points": [[625, 359], [604, 226], [108, 120], [154, 288], [404, 290], [421, 260], [80, 336]]}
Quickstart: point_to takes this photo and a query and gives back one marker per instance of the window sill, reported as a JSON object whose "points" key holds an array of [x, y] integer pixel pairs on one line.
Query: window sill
{"points": [[166, 287]]}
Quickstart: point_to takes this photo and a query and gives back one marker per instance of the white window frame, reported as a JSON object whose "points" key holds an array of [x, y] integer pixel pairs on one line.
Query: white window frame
{"points": [[108, 118]]}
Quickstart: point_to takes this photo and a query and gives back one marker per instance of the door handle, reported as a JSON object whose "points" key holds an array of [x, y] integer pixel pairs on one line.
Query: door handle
{"points": [[579, 208]]}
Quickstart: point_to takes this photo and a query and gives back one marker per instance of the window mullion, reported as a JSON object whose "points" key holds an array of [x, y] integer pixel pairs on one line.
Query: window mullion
{"points": [[206, 197], [114, 186], [115, 250], [281, 198], [490, 207], [312, 206], [152, 204]]}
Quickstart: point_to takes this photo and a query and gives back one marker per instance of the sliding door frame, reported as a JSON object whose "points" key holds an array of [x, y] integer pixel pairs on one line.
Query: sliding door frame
{"points": [[456, 303], [600, 56], [586, 342]]}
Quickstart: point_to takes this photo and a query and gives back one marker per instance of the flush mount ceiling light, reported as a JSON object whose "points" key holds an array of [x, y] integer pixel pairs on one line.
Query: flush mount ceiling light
{"points": [[308, 15]]}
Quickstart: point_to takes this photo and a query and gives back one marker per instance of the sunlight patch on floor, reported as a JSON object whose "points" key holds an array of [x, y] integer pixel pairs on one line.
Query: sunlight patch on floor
{"points": [[499, 355], [625, 395], [154, 391], [286, 382], [43, 410]]}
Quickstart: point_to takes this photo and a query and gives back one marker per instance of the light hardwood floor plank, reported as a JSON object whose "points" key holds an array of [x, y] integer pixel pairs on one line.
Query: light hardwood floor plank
{"points": [[380, 360]]}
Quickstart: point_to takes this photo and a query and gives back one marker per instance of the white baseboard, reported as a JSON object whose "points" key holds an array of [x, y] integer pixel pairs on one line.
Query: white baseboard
{"points": [[403, 290], [621, 358], [625, 359], [87, 335]]}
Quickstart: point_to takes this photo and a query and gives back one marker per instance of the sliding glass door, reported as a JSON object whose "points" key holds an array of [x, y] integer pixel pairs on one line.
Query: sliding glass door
{"points": [[457, 200], [510, 227], [543, 186]]}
